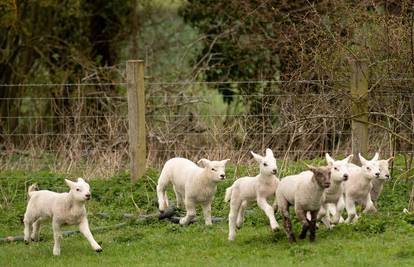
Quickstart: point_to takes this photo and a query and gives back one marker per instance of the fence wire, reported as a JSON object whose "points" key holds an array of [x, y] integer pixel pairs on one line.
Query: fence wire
{"points": [[84, 127]]}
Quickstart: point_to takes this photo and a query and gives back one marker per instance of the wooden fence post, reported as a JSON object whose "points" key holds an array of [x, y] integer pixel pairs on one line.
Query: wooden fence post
{"points": [[136, 118], [359, 96]]}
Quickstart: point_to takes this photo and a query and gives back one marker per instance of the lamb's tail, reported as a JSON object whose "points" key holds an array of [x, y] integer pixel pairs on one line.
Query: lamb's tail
{"points": [[228, 194], [163, 182], [32, 188]]}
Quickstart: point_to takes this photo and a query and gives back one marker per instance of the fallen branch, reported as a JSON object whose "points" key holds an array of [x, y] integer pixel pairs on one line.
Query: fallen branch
{"points": [[170, 212], [176, 220]]}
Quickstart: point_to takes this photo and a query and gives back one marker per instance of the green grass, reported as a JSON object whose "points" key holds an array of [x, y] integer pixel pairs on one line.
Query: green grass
{"points": [[382, 239]]}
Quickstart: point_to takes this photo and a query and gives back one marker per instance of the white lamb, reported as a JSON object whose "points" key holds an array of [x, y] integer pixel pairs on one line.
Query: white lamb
{"points": [[61, 208], [333, 195], [192, 185], [248, 189], [358, 187], [378, 183], [304, 191]]}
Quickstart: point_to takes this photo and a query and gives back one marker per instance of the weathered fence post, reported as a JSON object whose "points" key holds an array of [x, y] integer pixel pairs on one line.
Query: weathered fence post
{"points": [[136, 118], [359, 96]]}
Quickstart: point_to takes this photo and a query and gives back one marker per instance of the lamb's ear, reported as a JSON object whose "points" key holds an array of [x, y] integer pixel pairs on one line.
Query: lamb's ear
{"points": [[203, 163], [329, 160], [376, 156], [390, 159], [80, 179], [311, 168], [257, 157], [269, 153], [348, 159], [70, 183], [362, 159], [224, 162]]}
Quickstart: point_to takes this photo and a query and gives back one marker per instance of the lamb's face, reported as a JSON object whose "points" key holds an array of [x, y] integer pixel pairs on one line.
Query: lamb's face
{"points": [[322, 175], [384, 169], [339, 168], [267, 163], [80, 190], [216, 169], [369, 168]]}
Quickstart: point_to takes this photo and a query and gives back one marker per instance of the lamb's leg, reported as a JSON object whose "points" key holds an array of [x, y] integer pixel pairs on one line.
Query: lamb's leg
{"points": [[36, 230], [84, 229], [284, 210], [369, 205], [162, 193], [338, 210], [274, 205], [374, 195], [27, 228], [235, 204], [166, 201], [270, 213], [180, 199], [240, 215], [56, 236], [207, 213], [191, 212], [323, 215], [351, 210], [301, 215], [312, 225]]}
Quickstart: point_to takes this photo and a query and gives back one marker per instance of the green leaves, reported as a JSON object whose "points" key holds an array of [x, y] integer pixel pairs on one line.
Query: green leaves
{"points": [[8, 13]]}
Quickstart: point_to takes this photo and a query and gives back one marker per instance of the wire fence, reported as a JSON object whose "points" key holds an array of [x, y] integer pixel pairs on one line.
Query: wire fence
{"points": [[83, 128]]}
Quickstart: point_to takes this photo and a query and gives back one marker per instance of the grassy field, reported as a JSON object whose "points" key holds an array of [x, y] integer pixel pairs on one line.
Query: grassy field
{"points": [[382, 239]]}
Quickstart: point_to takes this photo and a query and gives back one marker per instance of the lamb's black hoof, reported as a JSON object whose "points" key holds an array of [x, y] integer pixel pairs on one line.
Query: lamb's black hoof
{"points": [[99, 250], [26, 242]]}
